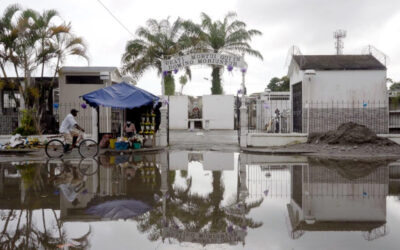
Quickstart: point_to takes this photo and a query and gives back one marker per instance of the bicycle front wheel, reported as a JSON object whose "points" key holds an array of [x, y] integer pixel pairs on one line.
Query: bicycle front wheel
{"points": [[88, 166], [88, 148], [54, 148], [54, 167]]}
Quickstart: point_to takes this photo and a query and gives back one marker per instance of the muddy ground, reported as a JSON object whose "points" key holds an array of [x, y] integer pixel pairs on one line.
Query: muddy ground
{"points": [[350, 139]]}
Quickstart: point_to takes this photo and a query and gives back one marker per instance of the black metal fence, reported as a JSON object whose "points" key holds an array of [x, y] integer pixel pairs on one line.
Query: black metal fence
{"points": [[269, 116], [8, 123], [277, 116]]}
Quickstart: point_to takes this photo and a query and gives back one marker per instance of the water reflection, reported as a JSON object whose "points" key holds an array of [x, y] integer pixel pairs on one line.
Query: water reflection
{"points": [[186, 197], [29, 215], [333, 195]]}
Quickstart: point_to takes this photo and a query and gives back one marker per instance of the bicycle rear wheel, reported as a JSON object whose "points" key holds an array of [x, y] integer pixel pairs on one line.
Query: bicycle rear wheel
{"points": [[54, 148], [88, 148]]}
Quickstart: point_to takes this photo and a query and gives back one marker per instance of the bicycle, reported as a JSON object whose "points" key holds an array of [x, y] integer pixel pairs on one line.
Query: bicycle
{"points": [[87, 148], [86, 166]]}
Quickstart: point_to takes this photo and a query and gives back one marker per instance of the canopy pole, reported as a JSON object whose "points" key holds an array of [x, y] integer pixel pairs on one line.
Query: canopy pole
{"points": [[121, 119]]}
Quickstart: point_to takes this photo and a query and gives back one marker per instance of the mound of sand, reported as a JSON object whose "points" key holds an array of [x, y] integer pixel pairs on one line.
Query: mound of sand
{"points": [[349, 133]]}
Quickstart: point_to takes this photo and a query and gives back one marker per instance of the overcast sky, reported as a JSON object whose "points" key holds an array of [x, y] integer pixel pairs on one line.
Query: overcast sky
{"points": [[308, 24]]}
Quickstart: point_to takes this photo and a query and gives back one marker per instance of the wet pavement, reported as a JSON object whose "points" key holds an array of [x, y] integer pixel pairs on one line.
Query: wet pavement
{"points": [[183, 199]]}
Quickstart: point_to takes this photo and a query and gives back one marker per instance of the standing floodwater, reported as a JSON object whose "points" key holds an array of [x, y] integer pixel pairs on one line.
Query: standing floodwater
{"points": [[200, 199]]}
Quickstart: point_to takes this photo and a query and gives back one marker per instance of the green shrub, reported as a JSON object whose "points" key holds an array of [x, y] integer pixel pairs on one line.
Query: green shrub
{"points": [[27, 126], [25, 131]]}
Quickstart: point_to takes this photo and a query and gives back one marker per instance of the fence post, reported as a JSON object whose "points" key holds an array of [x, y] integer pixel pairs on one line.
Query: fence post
{"points": [[244, 123]]}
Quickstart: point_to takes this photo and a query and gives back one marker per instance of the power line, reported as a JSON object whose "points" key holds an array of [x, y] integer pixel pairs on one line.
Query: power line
{"points": [[116, 19]]}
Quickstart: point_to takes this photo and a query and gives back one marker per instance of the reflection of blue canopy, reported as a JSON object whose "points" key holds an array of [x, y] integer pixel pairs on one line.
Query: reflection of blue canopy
{"points": [[119, 209], [121, 95]]}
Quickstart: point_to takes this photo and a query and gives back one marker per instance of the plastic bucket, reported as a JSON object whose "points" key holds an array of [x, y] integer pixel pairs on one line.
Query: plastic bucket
{"points": [[112, 143]]}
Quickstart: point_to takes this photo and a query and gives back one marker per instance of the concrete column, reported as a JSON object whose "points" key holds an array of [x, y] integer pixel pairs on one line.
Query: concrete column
{"points": [[244, 123], [1, 181], [162, 132], [94, 125], [243, 190], [164, 166], [2, 104], [307, 206]]}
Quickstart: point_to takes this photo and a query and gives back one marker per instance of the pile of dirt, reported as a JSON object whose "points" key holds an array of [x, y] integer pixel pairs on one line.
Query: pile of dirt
{"points": [[349, 133]]}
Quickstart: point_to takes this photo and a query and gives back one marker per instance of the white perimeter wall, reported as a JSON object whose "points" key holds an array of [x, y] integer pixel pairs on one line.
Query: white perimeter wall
{"points": [[217, 161], [219, 110], [178, 112], [347, 86]]}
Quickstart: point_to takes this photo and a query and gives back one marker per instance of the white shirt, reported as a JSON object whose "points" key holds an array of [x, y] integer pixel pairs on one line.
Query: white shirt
{"points": [[68, 124]]}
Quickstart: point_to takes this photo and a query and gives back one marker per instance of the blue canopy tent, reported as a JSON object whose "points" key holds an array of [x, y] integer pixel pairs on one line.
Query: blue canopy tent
{"points": [[121, 95]]}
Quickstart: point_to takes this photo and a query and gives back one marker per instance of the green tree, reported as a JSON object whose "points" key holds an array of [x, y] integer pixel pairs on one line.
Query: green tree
{"points": [[279, 84], [28, 41], [157, 41], [229, 36], [395, 86], [183, 80]]}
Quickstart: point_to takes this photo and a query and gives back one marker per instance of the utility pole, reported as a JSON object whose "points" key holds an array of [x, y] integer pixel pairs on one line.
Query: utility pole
{"points": [[339, 35]]}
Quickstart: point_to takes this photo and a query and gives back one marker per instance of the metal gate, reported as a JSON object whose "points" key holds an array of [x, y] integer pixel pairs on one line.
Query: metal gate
{"points": [[238, 104], [297, 107]]}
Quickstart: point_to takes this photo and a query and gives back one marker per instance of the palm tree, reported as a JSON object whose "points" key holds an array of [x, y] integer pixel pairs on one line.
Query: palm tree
{"points": [[30, 40], [229, 36], [158, 41], [62, 45], [8, 35]]}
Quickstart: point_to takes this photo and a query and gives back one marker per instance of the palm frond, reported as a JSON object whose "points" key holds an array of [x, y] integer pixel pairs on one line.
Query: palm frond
{"points": [[9, 14]]}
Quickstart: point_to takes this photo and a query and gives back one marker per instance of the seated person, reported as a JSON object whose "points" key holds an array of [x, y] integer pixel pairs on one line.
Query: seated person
{"points": [[130, 129]]}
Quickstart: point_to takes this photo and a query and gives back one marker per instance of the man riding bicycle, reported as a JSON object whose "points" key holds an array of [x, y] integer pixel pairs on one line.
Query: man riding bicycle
{"points": [[69, 128]]}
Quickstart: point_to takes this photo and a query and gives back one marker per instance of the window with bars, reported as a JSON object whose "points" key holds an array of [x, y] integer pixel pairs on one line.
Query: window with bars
{"points": [[8, 100]]}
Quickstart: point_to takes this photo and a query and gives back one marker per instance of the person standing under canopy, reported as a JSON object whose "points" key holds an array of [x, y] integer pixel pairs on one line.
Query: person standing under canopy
{"points": [[130, 129]]}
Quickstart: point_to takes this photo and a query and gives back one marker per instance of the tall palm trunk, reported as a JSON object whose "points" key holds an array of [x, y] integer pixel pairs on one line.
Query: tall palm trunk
{"points": [[216, 87], [169, 82]]}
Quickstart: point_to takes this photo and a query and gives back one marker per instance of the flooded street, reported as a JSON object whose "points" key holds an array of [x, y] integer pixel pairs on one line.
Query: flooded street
{"points": [[200, 200]]}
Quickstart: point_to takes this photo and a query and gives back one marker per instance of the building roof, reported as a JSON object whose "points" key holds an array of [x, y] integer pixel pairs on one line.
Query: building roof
{"points": [[78, 69], [338, 62]]}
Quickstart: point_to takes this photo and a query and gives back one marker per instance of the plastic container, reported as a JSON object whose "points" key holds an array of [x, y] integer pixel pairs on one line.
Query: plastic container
{"points": [[137, 145], [112, 143], [121, 145]]}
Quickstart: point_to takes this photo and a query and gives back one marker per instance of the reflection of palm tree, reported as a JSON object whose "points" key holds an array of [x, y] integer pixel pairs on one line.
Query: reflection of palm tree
{"points": [[25, 234], [195, 213], [216, 197], [29, 236]]}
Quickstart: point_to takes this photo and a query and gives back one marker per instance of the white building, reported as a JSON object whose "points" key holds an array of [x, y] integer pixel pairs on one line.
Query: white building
{"points": [[77, 81], [327, 90]]}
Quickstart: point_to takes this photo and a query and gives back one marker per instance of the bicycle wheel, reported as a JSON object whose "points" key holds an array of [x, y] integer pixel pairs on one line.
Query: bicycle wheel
{"points": [[54, 148], [88, 148], [88, 166]]}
